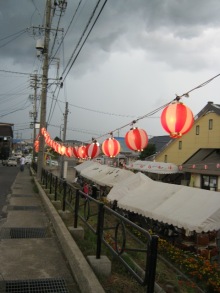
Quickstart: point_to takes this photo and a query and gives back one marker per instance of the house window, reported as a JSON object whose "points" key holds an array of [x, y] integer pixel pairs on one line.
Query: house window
{"points": [[209, 182], [210, 124], [197, 129], [165, 158], [180, 144]]}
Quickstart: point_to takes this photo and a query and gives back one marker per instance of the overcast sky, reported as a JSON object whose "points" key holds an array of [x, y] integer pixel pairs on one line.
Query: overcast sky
{"points": [[139, 55]]}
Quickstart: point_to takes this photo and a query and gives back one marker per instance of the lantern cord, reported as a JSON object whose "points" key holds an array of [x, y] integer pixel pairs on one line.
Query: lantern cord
{"points": [[160, 108], [135, 121], [199, 86]]}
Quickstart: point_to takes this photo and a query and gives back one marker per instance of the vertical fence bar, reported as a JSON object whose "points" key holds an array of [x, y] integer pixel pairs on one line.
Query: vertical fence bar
{"points": [[100, 224], [76, 210], [64, 195], [42, 177], [55, 188], [46, 179], [152, 262], [51, 177]]}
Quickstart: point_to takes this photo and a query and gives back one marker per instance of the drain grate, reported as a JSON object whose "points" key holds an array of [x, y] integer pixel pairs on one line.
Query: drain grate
{"points": [[23, 208], [16, 233], [36, 286]]}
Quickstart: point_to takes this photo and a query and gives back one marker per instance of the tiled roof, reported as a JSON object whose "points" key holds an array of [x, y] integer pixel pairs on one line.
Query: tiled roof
{"points": [[160, 141]]}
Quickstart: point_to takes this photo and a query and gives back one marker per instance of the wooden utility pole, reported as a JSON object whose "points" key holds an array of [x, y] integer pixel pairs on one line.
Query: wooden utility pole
{"points": [[34, 114], [47, 28]]}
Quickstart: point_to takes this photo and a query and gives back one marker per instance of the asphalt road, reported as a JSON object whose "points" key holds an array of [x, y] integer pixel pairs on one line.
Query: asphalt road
{"points": [[7, 177]]}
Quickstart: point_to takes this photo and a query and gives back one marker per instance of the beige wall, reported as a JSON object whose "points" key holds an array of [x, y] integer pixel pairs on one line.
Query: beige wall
{"points": [[191, 142]]}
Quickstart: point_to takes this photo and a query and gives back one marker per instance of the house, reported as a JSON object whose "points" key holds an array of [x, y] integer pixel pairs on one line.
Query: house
{"points": [[205, 134], [6, 136], [202, 169]]}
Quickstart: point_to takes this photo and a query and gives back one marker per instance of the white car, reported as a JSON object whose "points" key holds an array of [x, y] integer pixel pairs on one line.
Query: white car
{"points": [[52, 163], [28, 160], [12, 162]]}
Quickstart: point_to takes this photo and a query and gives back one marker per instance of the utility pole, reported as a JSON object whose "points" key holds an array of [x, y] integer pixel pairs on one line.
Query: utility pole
{"points": [[47, 28], [64, 139], [34, 84]]}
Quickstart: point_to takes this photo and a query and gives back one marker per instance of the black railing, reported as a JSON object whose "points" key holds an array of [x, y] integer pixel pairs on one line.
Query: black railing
{"points": [[133, 246]]}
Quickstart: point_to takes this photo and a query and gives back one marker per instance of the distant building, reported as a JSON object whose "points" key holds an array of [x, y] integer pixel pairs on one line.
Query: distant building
{"points": [[6, 140], [160, 141]]}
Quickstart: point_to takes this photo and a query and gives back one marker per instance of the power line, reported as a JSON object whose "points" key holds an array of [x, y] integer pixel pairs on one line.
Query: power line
{"points": [[67, 28], [21, 33], [85, 37], [15, 72], [160, 108]]}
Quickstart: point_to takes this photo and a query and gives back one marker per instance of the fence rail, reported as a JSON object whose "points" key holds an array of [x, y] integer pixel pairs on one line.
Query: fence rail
{"points": [[133, 246]]}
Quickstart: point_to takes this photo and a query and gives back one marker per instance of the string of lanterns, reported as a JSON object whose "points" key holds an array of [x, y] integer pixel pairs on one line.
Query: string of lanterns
{"points": [[176, 119]]}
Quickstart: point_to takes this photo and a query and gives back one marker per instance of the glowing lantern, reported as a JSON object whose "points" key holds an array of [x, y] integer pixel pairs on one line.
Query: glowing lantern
{"points": [[36, 146], [177, 119], [82, 152], [75, 152], [92, 150], [136, 139], [48, 140], [55, 146], [68, 152], [43, 130], [61, 149], [111, 147]]}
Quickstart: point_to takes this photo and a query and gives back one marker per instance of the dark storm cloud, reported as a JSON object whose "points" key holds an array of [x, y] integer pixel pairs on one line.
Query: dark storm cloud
{"points": [[16, 16], [159, 27]]}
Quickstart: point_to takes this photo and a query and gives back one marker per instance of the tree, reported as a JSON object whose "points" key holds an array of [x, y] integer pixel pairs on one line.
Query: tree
{"points": [[57, 139], [148, 151]]}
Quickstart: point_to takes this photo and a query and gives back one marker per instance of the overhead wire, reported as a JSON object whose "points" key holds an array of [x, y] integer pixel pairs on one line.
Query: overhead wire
{"points": [[177, 98], [88, 23], [20, 34], [73, 17], [53, 105]]}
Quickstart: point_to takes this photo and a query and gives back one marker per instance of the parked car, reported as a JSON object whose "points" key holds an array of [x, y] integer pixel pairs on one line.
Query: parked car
{"points": [[4, 162], [52, 163], [28, 160], [12, 161]]}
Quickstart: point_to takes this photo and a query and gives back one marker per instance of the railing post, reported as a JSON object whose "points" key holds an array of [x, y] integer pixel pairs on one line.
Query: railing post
{"points": [[100, 224], [64, 195], [42, 177], [76, 210], [51, 177], [55, 188], [46, 179], [152, 262]]}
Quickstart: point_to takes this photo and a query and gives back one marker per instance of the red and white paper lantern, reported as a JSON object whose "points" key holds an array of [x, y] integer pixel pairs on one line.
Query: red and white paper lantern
{"points": [[111, 147], [92, 150], [69, 152], [82, 152], [75, 152], [136, 139], [177, 119]]}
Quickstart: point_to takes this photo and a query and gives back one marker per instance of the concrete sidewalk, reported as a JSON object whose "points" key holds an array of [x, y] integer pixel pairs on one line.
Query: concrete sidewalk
{"points": [[37, 252]]}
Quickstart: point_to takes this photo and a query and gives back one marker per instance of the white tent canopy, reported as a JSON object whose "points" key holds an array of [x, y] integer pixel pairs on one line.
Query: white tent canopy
{"points": [[190, 208], [185, 207], [153, 167], [102, 174]]}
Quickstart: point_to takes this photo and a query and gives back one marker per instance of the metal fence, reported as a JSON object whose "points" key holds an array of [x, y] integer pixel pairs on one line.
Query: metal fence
{"points": [[133, 246]]}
